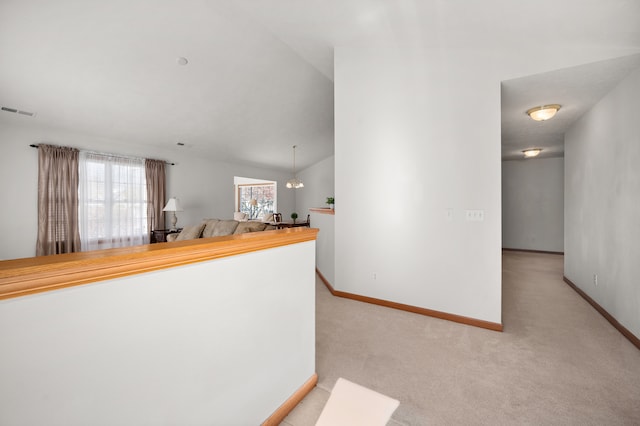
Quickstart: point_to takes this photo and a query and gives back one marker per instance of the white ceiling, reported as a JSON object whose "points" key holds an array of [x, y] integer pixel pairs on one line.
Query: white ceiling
{"points": [[576, 89], [260, 72]]}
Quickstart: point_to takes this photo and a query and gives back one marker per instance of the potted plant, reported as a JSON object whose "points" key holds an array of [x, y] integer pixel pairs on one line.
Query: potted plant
{"points": [[294, 216], [330, 201]]}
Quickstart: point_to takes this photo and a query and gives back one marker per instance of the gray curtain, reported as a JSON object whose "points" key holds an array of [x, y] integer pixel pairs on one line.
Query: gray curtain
{"points": [[57, 200], [156, 193]]}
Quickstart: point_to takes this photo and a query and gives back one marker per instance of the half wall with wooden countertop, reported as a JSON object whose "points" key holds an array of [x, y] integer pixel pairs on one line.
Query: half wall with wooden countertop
{"points": [[213, 331], [324, 219]]}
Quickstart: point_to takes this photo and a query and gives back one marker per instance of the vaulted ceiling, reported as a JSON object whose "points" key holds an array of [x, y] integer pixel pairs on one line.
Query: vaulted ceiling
{"points": [[259, 77]]}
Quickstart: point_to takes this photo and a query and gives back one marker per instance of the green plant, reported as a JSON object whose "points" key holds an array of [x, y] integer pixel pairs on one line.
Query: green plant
{"points": [[330, 200], [294, 216]]}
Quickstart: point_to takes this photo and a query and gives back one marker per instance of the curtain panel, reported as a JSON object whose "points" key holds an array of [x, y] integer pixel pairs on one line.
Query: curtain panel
{"points": [[156, 194], [113, 201], [57, 200]]}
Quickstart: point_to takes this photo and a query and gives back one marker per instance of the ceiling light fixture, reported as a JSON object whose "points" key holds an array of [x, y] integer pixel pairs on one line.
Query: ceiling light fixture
{"points": [[533, 152], [294, 183], [182, 60], [543, 113]]}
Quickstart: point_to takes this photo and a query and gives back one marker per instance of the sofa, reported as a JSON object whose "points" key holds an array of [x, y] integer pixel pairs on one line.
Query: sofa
{"points": [[217, 228]]}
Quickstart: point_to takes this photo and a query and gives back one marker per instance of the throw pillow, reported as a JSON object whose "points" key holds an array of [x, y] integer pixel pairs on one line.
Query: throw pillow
{"points": [[209, 226], [239, 216], [224, 227], [190, 232], [245, 227], [268, 218]]}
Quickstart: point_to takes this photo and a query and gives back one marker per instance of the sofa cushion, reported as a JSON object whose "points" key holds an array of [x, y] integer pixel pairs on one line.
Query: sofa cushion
{"points": [[209, 226], [239, 216], [268, 217], [224, 227], [190, 232], [245, 227]]}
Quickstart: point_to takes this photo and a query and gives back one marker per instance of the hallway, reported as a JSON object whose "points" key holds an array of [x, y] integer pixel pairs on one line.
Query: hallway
{"points": [[558, 361]]}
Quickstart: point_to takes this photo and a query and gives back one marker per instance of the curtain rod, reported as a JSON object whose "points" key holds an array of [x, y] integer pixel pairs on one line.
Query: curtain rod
{"points": [[34, 145]]}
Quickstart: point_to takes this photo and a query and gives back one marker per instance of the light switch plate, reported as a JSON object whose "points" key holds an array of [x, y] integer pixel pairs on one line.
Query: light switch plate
{"points": [[474, 215]]}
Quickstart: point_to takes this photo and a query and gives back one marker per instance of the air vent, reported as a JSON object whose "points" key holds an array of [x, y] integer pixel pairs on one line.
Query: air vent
{"points": [[17, 111]]}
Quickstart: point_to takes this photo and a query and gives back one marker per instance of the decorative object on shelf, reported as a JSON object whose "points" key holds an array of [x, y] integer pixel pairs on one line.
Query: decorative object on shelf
{"points": [[544, 112], [173, 205], [294, 182], [294, 216], [532, 152], [330, 202]]}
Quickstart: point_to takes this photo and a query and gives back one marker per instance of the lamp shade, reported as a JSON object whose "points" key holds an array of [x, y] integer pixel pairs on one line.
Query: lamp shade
{"points": [[173, 205]]}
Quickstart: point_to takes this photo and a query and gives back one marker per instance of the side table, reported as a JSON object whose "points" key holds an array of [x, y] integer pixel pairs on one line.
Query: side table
{"points": [[160, 235]]}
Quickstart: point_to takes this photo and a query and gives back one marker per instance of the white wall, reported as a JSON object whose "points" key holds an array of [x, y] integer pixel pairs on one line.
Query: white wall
{"points": [[402, 159], [195, 345], [533, 204], [602, 203], [409, 145], [205, 187], [325, 244], [319, 183]]}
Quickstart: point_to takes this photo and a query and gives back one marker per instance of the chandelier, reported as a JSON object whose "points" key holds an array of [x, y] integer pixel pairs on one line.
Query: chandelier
{"points": [[294, 182]]}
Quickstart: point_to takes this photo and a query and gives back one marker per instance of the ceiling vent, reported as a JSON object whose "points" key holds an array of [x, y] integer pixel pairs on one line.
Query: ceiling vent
{"points": [[17, 111]]}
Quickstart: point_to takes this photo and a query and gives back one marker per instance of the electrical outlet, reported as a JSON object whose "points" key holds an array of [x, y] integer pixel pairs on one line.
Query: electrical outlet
{"points": [[375, 276], [595, 280]]}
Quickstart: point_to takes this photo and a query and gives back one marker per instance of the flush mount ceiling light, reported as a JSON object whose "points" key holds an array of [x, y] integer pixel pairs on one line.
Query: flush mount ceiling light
{"points": [[294, 183], [543, 113], [533, 152], [182, 60]]}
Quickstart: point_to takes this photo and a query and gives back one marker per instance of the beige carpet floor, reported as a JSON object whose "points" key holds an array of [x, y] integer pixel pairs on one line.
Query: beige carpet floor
{"points": [[558, 361]]}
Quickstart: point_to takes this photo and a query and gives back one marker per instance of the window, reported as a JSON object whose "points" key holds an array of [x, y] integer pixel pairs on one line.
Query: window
{"points": [[255, 198], [112, 201]]}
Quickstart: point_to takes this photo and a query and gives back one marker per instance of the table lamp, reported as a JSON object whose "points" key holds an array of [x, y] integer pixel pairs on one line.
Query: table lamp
{"points": [[173, 206]]}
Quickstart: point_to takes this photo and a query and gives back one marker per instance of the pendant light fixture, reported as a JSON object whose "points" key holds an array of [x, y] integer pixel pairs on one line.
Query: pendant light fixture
{"points": [[294, 183]]}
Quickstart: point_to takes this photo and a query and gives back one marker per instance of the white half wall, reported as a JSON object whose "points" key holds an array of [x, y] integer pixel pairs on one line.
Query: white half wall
{"points": [[205, 188], [533, 204], [222, 342], [325, 244], [602, 203]]}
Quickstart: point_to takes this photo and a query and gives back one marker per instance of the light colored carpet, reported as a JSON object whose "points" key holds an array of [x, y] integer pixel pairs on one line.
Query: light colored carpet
{"points": [[558, 361]]}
